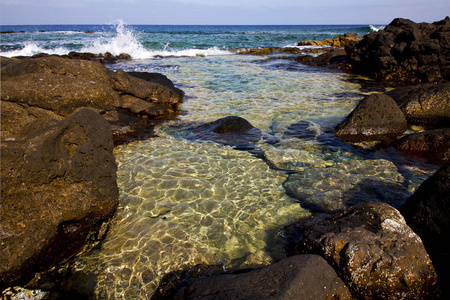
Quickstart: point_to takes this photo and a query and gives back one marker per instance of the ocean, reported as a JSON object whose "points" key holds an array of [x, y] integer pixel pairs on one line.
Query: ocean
{"points": [[185, 201]]}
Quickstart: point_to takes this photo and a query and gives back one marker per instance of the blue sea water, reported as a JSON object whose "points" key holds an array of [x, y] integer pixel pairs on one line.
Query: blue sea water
{"points": [[185, 201], [151, 40]]}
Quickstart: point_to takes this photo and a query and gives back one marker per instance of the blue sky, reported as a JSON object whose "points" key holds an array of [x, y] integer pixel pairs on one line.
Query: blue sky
{"points": [[186, 12]]}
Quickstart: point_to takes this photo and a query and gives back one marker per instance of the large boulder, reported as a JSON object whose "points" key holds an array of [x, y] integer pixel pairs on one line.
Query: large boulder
{"points": [[297, 277], [58, 188], [427, 212], [404, 51], [61, 85], [433, 145], [427, 104], [372, 249], [376, 117]]}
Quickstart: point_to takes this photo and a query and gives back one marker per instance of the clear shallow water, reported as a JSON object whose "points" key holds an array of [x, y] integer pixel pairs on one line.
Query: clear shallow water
{"points": [[185, 201]]}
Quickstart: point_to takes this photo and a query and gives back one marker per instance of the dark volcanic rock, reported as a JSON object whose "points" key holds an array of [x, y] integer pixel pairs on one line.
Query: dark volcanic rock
{"points": [[61, 85], [404, 51], [58, 187], [297, 277], [232, 129], [427, 104], [433, 145], [427, 212], [372, 249], [377, 117]]}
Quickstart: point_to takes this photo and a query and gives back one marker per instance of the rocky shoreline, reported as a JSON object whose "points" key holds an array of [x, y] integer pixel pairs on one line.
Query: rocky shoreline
{"points": [[61, 116]]}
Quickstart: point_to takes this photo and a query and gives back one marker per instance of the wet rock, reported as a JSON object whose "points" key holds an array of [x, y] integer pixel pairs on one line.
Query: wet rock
{"points": [[427, 104], [404, 51], [58, 86], [337, 41], [232, 129], [433, 145], [297, 277], [58, 188], [372, 249], [335, 58], [427, 212], [377, 117]]}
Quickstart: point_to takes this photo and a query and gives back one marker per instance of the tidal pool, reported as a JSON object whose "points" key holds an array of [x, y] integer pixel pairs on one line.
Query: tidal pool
{"points": [[185, 201]]}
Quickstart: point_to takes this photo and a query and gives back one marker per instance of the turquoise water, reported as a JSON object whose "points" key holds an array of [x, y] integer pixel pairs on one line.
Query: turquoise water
{"points": [[184, 201]]}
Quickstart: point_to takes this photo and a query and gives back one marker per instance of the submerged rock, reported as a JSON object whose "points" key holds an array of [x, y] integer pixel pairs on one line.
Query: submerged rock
{"points": [[427, 212], [433, 145], [58, 188], [377, 117], [302, 130], [231, 130], [297, 277], [372, 249]]}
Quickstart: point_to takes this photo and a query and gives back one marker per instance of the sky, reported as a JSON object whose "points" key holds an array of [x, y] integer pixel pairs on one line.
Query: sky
{"points": [[220, 12]]}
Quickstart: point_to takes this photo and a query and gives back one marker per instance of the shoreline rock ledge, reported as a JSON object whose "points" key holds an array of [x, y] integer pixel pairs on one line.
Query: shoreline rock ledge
{"points": [[37, 92]]}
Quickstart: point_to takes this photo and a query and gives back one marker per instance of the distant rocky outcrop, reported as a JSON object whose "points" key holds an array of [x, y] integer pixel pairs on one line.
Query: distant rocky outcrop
{"points": [[55, 87], [58, 192], [376, 117], [405, 52], [337, 41], [372, 249], [427, 212]]}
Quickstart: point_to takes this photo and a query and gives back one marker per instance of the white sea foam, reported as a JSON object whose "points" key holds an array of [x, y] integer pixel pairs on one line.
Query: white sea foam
{"points": [[126, 41], [375, 29], [31, 48]]}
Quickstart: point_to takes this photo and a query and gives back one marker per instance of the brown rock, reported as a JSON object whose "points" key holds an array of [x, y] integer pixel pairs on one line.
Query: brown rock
{"points": [[377, 117], [56, 87], [58, 186], [372, 249], [426, 212], [297, 277], [432, 144], [427, 104]]}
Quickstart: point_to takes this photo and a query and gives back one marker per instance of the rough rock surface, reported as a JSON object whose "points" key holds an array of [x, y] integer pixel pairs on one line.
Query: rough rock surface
{"points": [[377, 117], [337, 41], [61, 85], [404, 52], [427, 104], [335, 58], [372, 249], [232, 129], [427, 212], [297, 277], [433, 145], [58, 186]]}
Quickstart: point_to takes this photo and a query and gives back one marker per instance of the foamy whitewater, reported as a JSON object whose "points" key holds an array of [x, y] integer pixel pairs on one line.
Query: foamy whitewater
{"points": [[185, 201]]}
